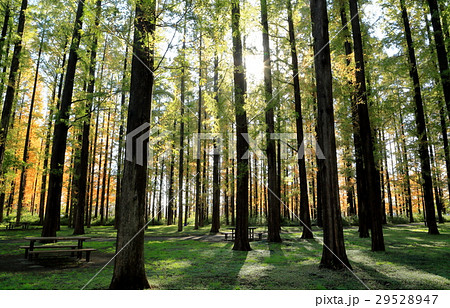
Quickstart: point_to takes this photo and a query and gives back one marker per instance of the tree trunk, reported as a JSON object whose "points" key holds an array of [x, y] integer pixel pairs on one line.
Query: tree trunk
{"points": [[198, 144], [129, 268], [361, 180], [215, 225], [105, 170], [4, 33], [441, 52], [445, 142], [371, 172], [273, 220], [240, 89], [421, 128], [23, 175], [304, 203], [333, 253], [171, 189], [81, 179], [181, 154], [407, 177], [11, 89], [51, 221]]}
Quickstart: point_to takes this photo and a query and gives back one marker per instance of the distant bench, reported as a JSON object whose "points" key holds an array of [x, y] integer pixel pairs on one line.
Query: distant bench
{"points": [[251, 234], [34, 251], [18, 226]]}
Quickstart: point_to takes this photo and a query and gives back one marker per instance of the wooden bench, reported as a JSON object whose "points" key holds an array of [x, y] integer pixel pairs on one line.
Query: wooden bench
{"points": [[33, 250], [231, 234], [27, 248], [56, 251]]}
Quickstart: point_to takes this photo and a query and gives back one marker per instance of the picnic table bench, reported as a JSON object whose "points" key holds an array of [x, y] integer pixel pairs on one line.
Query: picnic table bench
{"points": [[18, 226], [33, 250], [251, 234]]}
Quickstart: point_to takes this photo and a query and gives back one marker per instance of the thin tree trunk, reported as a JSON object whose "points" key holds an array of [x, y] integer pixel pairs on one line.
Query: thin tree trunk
{"points": [[198, 142], [215, 225], [23, 175], [421, 128], [11, 89], [445, 142], [81, 180], [304, 203], [371, 172], [181, 153], [406, 163], [388, 182], [105, 170], [4, 33], [273, 221]]}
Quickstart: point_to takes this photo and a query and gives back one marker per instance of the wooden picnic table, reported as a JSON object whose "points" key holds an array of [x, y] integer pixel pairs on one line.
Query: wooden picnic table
{"points": [[78, 248], [251, 233]]}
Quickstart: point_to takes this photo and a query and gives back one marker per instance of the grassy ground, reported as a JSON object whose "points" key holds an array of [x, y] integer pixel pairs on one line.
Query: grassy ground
{"points": [[189, 260]]}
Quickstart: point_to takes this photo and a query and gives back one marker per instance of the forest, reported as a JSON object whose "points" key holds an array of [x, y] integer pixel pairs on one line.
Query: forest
{"points": [[323, 117]]}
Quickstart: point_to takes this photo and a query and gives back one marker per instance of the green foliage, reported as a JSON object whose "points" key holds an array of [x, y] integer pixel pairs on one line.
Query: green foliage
{"points": [[348, 221]]}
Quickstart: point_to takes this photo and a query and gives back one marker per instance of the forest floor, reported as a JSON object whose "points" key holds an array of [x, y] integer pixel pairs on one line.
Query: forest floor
{"points": [[193, 259]]}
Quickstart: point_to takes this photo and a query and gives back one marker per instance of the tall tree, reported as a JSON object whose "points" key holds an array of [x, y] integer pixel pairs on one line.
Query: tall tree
{"points": [[441, 51], [6, 17], [129, 269], [273, 220], [215, 224], [181, 155], [304, 203], [84, 155], [424, 155], [240, 89], [11, 89], [23, 175], [333, 253], [52, 211], [365, 130]]}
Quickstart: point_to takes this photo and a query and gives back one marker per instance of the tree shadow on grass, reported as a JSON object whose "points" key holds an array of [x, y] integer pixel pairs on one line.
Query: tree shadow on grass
{"points": [[397, 278], [292, 266], [195, 265]]}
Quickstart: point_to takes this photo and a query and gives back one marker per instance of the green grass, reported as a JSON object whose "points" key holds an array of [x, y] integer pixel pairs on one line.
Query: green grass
{"points": [[413, 260]]}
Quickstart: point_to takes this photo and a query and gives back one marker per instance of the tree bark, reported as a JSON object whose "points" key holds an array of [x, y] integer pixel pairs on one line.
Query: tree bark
{"points": [[181, 154], [4, 32], [84, 155], [51, 221], [333, 253], [198, 144], [129, 268], [11, 89], [421, 128], [304, 203], [445, 142], [371, 172], [23, 175], [215, 225], [105, 170], [273, 220], [441, 52], [407, 177], [241, 242]]}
